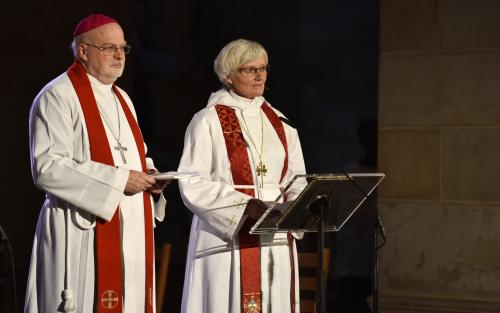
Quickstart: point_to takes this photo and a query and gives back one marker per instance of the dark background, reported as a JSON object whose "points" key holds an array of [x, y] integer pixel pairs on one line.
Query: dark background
{"points": [[324, 77]]}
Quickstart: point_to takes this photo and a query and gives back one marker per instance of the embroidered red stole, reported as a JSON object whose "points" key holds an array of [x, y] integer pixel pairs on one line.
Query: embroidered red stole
{"points": [[242, 175], [109, 280]]}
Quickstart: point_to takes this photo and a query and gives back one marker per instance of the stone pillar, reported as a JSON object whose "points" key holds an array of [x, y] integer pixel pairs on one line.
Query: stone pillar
{"points": [[439, 144]]}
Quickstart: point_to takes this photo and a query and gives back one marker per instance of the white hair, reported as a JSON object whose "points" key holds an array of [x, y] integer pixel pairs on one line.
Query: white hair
{"points": [[236, 53], [74, 46]]}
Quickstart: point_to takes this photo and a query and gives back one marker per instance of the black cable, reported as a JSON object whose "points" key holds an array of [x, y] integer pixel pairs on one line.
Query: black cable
{"points": [[323, 152], [4, 238]]}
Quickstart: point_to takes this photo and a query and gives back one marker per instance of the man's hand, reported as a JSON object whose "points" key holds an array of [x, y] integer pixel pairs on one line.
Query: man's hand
{"points": [[159, 185], [138, 182], [255, 208]]}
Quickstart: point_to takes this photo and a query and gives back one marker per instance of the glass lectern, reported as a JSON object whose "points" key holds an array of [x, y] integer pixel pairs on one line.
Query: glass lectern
{"points": [[317, 203]]}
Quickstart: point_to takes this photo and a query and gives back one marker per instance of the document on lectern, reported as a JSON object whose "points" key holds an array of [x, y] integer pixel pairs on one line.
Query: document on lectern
{"points": [[293, 208]]}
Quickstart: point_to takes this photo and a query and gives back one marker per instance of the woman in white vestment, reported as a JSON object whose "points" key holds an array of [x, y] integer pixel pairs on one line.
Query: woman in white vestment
{"points": [[238, 137]]}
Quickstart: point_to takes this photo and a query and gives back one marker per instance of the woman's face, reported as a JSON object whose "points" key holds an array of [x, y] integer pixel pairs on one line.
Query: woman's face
{"points": [[249, 79]]}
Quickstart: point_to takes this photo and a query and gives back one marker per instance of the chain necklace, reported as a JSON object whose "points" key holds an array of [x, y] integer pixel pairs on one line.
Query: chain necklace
{"points": [[261, 167], [119, 146]]}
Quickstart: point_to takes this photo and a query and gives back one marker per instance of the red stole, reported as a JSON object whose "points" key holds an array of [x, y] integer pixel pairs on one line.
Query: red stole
{"points": [[242, 175], [108, 246]]}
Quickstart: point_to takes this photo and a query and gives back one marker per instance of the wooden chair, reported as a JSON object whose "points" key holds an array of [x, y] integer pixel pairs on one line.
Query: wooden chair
{"points": [[163, 261], [308, 262]]}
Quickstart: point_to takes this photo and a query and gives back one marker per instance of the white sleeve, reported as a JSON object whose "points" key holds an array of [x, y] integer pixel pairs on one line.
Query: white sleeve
{"points": [[90, 186], [159, 206], [217, 203]]}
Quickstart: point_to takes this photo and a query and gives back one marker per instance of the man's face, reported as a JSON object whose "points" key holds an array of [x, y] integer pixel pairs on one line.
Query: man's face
{"points": [[104, 66], [250, 79]]}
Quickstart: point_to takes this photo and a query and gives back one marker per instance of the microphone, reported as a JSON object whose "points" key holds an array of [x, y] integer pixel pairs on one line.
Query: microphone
{"points": [[3, 236], [288, 122], [323, 152]]}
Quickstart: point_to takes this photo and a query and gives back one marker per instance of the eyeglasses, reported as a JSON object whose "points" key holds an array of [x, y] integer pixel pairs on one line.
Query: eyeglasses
{"points": [[111, 49], [252, 71]]}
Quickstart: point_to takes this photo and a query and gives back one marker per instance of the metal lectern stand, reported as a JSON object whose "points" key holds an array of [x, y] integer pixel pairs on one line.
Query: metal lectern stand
{"points": [[317, 203]]}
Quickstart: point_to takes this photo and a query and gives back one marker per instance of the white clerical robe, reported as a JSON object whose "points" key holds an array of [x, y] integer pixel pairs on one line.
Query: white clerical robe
{"points": [[212, 279], [78, 189]]}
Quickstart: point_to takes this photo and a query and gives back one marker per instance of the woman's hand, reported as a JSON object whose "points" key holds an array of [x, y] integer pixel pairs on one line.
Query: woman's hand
{"points": [[255, 208]]}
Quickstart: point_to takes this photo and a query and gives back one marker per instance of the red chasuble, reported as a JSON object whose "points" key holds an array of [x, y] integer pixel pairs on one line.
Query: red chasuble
{"points": [[108, 247], [251, 297]]}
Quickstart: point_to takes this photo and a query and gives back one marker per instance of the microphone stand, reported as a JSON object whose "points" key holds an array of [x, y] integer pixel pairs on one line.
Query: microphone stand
{"points": [[320, 207]]}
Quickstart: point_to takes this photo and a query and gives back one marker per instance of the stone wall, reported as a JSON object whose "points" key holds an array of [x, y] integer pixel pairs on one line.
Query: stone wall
{"points": [[439, 135]]}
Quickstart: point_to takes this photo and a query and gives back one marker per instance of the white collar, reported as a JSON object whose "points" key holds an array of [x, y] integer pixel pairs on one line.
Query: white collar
{"points": [[231, 99]]}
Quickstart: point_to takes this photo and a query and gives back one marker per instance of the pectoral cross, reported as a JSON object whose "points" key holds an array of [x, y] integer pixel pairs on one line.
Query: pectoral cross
{"points": [[261, 171], [121, 149]]}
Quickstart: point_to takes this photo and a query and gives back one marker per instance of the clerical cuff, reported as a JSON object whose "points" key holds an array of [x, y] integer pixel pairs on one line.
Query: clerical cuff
{"points": [[121, 178]]}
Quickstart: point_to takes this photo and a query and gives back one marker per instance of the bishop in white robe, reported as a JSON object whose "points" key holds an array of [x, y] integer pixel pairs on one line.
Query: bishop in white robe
{"points": [[79, 191], [85, 189]]}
